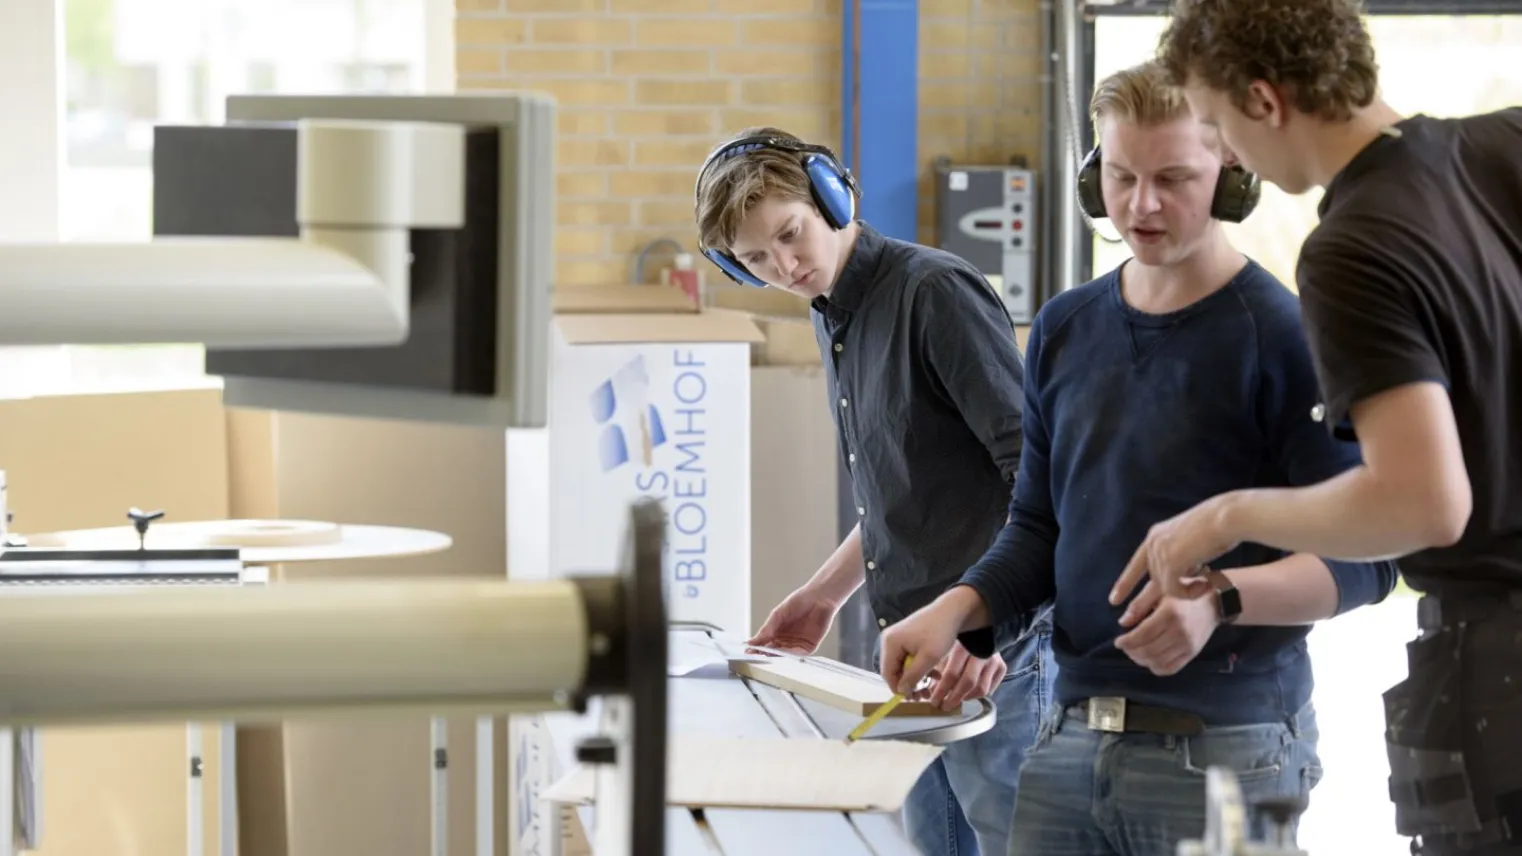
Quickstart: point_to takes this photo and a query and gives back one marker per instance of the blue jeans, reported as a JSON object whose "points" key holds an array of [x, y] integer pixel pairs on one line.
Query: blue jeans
{"points": [[1094, 793], [963, 803]]}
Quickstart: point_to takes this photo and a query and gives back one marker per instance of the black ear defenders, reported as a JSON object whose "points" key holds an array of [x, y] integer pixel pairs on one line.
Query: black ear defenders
{"points": [[1236, 191], [831, 185]]}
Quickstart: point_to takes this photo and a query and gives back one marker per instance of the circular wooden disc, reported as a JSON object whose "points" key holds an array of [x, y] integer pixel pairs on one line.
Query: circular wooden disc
{"points": [[261, 541]]}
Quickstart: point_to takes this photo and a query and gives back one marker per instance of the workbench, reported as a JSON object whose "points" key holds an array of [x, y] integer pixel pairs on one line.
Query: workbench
{"points": [[714, 702]]}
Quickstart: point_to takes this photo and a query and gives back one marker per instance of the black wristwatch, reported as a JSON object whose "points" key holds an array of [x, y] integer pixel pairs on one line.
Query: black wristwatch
{"points": [[1228, 600]]}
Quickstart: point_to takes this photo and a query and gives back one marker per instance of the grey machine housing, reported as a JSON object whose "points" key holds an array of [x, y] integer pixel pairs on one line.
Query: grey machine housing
{"points": [[477, 346], [987, 215]]}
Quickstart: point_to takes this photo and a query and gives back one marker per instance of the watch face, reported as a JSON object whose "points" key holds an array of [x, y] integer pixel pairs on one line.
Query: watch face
{"points": [[1231, 602]]}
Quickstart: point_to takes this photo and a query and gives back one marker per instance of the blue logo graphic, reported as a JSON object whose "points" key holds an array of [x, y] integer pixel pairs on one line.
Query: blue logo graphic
{"points": [[631, 426]]}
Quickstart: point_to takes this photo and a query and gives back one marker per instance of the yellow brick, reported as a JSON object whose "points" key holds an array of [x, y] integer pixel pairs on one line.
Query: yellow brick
{"points": [[580, 242], [683, 92], [663, 7], [581, 122], [667, 61], [581, 31], [599, 213], [672, 152], [563, 6], [584, 93], [945, 123], [942, 94], [665, 213], [574, 272], [814, 31], [489, 31], [478, 6], [568, 183], [773, 7], [932, 65], [808, 123], [790, 92], [583, 152], [1023, 35], [780, 62], [985, 96], [643, 184], [688, 32], [478, 61], [556, 61], [629, 242], [636, 123], [945, 36], [943, 8]]}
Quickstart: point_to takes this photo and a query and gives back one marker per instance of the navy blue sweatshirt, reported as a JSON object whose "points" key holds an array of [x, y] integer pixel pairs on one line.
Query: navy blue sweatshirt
{"points": [[1131, 418]]}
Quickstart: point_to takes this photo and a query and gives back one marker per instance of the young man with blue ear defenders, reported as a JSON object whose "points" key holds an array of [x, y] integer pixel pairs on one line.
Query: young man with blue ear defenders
{"points": [[925, 381]]}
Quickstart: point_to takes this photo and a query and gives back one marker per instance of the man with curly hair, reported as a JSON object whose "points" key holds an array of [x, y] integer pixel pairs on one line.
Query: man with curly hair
{"points": [[1411, 291]]}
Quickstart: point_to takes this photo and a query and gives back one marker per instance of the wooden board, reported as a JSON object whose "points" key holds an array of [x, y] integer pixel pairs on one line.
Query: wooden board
{"points": [[777, 773], [836, 688]]}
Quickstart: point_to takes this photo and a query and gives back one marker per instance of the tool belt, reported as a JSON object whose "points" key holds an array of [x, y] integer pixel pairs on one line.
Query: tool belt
{"points": [[1433, 727], [1118, 715]]}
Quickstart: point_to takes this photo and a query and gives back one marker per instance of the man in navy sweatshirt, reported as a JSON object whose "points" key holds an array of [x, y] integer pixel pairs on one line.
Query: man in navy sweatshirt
{"points": [[1180, 375]]}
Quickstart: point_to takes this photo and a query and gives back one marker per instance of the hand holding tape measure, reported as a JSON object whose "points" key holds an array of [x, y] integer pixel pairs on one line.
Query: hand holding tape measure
{"points": [[876, 716]]}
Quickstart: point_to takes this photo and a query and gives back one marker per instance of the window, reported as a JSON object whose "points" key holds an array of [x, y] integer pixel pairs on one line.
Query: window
{"points": [[1477, 56], [132, 64]]}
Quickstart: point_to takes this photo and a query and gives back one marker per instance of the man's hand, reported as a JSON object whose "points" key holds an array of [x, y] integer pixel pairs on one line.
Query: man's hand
{"points": [[962, 677], [928, 636], [798, 624], [1167, 632], [1175, 552]]}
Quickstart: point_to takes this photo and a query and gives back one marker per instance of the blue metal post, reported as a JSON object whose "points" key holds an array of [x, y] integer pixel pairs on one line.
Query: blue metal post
{"points": [[879, 141]]}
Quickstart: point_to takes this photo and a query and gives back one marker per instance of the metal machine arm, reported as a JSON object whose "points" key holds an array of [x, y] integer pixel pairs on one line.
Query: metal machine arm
{"points": [[436, 646]]}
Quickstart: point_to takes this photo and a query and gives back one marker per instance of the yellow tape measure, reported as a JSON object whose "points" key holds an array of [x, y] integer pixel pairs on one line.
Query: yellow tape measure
{"points": [[876, 716]]}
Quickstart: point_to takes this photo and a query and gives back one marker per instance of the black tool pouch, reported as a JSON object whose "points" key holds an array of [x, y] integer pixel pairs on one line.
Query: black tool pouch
{"points": [[1424, 737]]}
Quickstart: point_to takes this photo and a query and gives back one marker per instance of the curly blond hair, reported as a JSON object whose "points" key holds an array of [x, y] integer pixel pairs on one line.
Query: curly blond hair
{"points": [[1317, 51], [731, 187]]}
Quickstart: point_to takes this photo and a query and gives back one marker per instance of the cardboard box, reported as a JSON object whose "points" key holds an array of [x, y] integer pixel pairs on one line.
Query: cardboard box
{"points": [[642, 404], [789, 342]]}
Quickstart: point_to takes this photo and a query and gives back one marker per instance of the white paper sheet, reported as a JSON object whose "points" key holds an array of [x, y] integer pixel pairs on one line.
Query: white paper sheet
{"points": [[827, 775]]}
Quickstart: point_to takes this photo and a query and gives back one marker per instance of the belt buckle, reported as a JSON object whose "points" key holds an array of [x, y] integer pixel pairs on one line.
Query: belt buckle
{"points": [[1107, 713]]}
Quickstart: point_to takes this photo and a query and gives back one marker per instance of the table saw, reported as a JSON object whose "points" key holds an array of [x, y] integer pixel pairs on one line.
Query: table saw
{"points": [[711, 701]]}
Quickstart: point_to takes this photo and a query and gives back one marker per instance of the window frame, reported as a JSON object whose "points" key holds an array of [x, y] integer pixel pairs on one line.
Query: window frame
{"points": [[1091, 10]]}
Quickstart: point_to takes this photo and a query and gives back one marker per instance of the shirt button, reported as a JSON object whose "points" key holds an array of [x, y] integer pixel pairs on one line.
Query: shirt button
{"points": [[839, 347], [844, 403], [1318, 413], [860, 511], [882, 622], [871, 564]]}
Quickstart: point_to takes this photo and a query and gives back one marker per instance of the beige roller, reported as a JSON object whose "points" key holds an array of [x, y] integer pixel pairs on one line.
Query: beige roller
{"points": [[244, 653]]}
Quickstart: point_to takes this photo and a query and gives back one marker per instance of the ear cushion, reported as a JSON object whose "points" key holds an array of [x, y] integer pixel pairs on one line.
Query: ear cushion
{"points": [[1091, 199], [1237, 192], [834, 199], [732, 268]]}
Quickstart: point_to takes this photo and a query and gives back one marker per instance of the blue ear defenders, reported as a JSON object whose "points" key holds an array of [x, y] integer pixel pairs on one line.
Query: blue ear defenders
{"points": [[831, 185]]}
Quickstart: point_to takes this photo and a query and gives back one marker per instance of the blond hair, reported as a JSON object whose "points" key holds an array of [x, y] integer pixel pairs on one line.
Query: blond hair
{"points": [[734, 185], [1142, 94]]}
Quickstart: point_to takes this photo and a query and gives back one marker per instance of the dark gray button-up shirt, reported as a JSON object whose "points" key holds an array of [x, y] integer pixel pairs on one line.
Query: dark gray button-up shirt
{"points": [[925, 383]]}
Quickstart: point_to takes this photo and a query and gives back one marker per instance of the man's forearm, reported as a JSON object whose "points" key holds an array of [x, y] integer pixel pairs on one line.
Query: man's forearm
{"points": [[844, 572], [1350, 517], [1297, 589]]}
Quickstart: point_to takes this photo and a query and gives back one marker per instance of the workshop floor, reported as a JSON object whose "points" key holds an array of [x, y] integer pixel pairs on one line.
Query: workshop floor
{"points": [[1357, 657]]}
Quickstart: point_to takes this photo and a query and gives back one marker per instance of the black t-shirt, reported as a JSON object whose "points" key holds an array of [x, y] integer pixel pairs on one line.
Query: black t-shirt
{"points": [[1415, 274]]}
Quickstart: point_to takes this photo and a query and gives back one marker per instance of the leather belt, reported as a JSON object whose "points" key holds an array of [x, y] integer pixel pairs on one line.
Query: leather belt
{"points": [[1117, 715]]}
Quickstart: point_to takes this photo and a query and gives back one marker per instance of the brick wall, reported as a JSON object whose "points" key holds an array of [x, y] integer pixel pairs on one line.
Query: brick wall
{"points": [[647, 87]]}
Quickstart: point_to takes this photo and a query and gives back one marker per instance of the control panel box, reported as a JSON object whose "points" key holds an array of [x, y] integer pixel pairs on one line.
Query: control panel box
{"points": [[986, 215]]}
